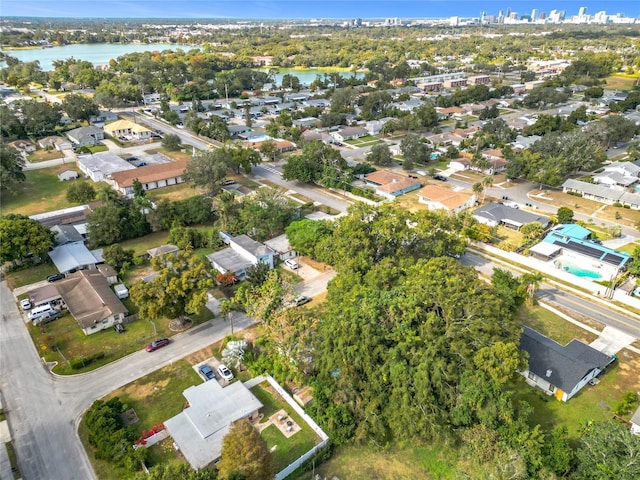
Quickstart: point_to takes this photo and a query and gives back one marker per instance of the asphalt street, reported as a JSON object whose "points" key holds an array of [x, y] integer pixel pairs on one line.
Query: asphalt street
{"points": [[577, 305]]}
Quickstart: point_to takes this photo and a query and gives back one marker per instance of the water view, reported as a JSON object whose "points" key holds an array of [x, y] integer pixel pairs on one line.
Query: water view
{"points": [[96, 53]]}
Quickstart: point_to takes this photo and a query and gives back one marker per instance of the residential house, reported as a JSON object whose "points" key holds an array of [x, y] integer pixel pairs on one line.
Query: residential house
{"points": [[465, 133], [91, 301], [243, 253], [66, 234], [54, 141], [472, 108], [85, 136], [128, 130], [460, 164], [619, 175], [108, 272], [391, 185], [374, 127], [561, 371], [103, 117], [496, 161], [306, 122], [66, 173], [578, 249], [70, 257], [317, 102], [199, 429], [445, 139], [318, 135], [408, 105], [100, 166], [24, 146], [523, 143], [162, 250], [150, 177], [602, 194], [436, 197], [238, 129], [495, 214], [448, 112], [281, 246], [349, 133], [151, 98]]}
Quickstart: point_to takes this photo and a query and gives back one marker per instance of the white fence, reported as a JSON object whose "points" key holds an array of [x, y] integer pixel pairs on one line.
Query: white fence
{"points": [[314, 426]]}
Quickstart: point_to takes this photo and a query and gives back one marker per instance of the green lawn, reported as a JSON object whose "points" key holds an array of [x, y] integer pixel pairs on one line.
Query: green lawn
{"points": [[41, 192], [32, 274], [44, 155], [142, 244], [64, 335], [365, 141], [155, 398], [629, 247], [288, 449], [552, 325]]}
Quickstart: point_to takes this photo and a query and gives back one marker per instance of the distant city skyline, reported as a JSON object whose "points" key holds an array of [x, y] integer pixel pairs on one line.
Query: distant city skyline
{"points": [[295, 9]]}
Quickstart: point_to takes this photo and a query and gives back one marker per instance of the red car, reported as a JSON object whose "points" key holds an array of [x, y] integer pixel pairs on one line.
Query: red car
{"points": [[156, 344]]}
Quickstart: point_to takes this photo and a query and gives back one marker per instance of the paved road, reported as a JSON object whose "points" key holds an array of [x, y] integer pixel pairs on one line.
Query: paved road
{"points": [[314, 193], [574, 305]]}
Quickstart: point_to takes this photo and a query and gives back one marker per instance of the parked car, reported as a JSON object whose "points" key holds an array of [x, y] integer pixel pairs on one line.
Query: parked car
{"points": [[224, 372], [141, 164], [132, 159], [25, 304], [440, 178], [156, 344], [291, 263], [55, 277], [227, 182], [207, 372], [301, 300], [118, 327]]}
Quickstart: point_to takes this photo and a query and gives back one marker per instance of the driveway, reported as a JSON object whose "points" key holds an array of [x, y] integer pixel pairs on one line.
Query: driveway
{"points": [[612, 340]]}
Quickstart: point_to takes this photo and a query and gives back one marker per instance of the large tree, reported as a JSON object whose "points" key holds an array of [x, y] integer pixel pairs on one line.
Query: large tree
{"points": [[21, 237], [414, 151], [208, 169], [304, 235], [380, 155], [11, 164], [40, 118], [81, 192], [245, 454], [308, 166], [180, 287], [79, 107]]}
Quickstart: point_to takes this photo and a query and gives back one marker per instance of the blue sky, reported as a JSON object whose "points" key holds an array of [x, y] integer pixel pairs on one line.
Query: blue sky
{"points": [[299, 8]]}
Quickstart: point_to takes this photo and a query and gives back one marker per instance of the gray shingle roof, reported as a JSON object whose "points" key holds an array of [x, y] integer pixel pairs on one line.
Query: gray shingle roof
{"points": [[565, 365], [503, 214]]}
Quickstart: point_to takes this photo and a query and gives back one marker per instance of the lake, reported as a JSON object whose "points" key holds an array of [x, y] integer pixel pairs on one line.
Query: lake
{"points": [[96, 53], [101, 53]]}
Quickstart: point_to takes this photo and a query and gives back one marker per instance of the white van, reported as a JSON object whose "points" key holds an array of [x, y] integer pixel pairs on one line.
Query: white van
{"points": [[41, 311]]}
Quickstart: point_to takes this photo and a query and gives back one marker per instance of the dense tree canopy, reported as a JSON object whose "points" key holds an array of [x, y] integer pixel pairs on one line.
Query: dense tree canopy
{"points": [[245, 454], [11, 164], [21, 237]]}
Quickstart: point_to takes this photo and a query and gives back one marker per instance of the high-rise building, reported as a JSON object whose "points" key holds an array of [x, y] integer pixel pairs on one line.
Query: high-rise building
{"points": [[542, 16], [534, 14], [582, 11], [508, 12]]}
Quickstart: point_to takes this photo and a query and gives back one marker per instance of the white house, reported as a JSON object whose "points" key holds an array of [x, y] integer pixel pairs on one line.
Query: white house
{"points": [[66, 173], [349, 133], [100, 166], [243, 253], [85, 136], [128, 130], [436, 197]]}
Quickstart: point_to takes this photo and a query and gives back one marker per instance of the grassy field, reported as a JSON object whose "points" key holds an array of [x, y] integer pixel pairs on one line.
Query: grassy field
{"points": [[629, 247], [142, 244], [622, 81], [44, 155], [175, 192], [155, 398], [63, 339], [30, 275], [551, 325], [41, 192], [287, 449]]}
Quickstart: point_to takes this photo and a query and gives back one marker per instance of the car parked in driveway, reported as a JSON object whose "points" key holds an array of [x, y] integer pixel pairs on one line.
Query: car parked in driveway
{"points": [[224, 372], [118, 327], [291, 263], [156, 344], [301, 300], [55, 277], [25, 304], [207, 372]]}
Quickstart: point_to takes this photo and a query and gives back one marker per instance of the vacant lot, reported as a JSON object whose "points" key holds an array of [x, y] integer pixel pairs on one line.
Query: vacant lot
{"points": [[43, 155], [365, 141], [30, 275], [553, 326], [41, 192], [622, 82], [175, 192]]}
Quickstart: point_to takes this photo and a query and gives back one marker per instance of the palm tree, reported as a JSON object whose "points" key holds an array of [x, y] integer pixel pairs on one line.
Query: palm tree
{"points": [[486, 182], [531, 283]]}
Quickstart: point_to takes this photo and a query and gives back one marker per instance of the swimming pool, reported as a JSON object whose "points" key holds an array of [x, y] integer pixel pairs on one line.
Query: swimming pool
{"points": [[573, 269]]}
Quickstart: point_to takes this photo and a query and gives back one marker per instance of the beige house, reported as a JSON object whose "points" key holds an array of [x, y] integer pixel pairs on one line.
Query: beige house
{"points": [[91, 301], [436, 197], [151, 176], [128, 130]]}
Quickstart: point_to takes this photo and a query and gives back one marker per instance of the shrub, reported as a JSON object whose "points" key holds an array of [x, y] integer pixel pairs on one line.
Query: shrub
{"points": [[81, 362], [617, 204]]}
